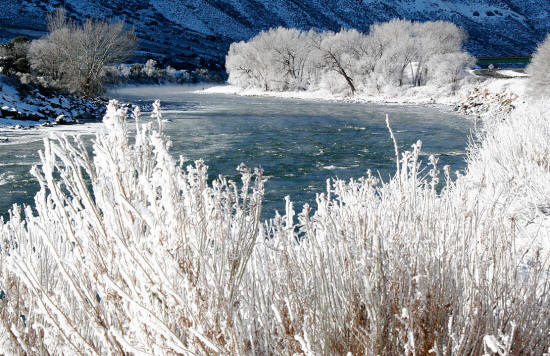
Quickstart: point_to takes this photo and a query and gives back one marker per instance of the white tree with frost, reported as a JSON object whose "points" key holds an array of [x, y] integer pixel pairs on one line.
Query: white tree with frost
{"points": [[73, 56], [539, 71], [338, 53], [396, 53], [150, 68], [245, 66], [278, 59], [289, 51]]}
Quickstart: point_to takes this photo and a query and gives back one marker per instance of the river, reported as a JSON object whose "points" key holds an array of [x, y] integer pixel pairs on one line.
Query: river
{"points": [[299, 143]]}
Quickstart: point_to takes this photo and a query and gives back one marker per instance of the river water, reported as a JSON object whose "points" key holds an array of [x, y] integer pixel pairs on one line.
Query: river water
{"points": [[299, 143]]}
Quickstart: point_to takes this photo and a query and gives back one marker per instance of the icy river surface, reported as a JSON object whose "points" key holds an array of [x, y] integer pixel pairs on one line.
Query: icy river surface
{"points": [[299, 144]]}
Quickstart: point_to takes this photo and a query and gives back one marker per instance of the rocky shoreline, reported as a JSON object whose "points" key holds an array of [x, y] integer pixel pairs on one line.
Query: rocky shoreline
{"points": [[30, 107], [481, 101]]}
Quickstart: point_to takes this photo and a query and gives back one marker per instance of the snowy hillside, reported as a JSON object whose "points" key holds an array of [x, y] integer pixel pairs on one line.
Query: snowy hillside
{"points": [[198, 32]]}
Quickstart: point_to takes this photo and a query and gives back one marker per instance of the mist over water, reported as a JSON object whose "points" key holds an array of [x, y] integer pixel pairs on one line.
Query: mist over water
{"points": [[299, 144]]}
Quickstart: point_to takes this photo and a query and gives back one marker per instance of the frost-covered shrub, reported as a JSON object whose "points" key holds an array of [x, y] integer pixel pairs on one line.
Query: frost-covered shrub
{"points": [[150, 68], [133, 263], [126, 251], [539, 71]]}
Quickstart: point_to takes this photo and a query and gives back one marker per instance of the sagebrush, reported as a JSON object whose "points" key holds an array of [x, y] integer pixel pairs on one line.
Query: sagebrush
{"points": [[128, 252]]}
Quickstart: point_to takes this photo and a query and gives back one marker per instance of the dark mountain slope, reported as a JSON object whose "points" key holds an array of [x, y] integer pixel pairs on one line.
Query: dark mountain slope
{"points": [[198, 32]]}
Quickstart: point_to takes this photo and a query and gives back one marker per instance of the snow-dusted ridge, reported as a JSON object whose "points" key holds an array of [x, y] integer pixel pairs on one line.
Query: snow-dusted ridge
{"points": [[191, 31]]}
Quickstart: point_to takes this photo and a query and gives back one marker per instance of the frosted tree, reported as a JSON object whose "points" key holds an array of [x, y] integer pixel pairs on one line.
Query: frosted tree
{"points": [[539, 70], [289, 51], [278, 59], [74, 56], [246, 66], [48, 56], [401, 52], [440, 51], [448, 68], [337, 53]]}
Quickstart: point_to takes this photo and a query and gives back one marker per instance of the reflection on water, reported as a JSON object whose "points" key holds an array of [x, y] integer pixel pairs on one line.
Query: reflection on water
{"points": [[298, 143]]}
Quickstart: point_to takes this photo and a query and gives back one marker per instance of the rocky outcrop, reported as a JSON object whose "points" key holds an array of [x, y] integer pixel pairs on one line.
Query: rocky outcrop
{"points": [[480, 101]]}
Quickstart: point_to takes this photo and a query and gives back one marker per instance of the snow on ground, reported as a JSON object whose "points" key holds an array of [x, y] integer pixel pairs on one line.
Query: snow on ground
{"points": [[512, 73]]}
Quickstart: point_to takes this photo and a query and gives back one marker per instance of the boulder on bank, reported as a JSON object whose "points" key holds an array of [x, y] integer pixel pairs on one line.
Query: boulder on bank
{"points": [[7, 112], [65, 120]]}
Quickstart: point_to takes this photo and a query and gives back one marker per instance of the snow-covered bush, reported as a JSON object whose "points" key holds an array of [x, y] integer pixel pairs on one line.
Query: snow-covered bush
{"points": [[132, 263], [394, 53], [539, 70], [150, 68], [126, 251]]}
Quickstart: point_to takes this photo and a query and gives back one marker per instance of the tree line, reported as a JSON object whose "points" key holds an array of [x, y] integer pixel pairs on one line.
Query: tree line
{"points": [[396, 53]]}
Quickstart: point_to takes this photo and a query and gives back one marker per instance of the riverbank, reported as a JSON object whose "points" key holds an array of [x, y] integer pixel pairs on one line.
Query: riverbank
{"points": [[479, 95], [25, 107]]}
